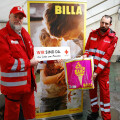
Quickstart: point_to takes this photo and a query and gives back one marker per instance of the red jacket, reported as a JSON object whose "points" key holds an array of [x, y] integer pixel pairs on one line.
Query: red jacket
{"points": [[17, 76], [101, 47]]}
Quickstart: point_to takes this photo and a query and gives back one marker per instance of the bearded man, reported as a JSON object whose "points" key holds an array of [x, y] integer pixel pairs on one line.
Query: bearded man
{"points": [[17, 67]]}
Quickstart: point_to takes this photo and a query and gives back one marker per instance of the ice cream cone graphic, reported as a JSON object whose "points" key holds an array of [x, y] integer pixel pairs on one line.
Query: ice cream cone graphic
{"points": [[79, 71], [80, 79]]}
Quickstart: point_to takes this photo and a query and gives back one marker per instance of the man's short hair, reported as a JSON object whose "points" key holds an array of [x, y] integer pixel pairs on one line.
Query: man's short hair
{"points": [[108, 16]]}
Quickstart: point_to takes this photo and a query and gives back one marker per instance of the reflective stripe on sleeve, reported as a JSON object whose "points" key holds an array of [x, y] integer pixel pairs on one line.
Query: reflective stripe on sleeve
{"points": [[15, 74], [95, 103], [97, 58], [93, 99], [104, 60], [105, 105], [13, 84], [22, 64], [97, 51], [92, 50], [14, 67], [105, 110], [100, 52], [101, 66]]}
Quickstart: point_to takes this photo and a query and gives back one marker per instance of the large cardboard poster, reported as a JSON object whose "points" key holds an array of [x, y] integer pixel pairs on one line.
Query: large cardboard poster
{"points": [[56, 24]]}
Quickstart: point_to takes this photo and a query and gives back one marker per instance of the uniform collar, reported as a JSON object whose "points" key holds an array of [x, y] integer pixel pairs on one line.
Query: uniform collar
{"points": [[106, 33]]}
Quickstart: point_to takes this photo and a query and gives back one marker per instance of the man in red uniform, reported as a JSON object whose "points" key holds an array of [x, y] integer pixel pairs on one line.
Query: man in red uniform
{"points": [[100, 45], [17, 67]]}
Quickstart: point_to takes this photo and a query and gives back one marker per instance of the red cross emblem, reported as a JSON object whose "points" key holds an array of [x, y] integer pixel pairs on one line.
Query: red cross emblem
{"points": [[66, 52]]}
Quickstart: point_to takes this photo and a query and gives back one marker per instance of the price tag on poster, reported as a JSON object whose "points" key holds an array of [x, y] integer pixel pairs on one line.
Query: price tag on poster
{"points": [[51, 53]]}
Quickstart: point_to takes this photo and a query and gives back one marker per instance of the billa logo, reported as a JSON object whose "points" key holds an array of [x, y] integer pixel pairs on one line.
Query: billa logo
{"points": [[79, 71], [68, 10]]}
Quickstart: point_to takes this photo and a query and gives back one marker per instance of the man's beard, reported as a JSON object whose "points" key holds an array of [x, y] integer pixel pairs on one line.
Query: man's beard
{"points": [[16, 27], [103, 29]]}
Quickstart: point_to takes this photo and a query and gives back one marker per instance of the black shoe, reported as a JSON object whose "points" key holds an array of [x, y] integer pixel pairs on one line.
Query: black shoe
{"points": [[93, 116]]}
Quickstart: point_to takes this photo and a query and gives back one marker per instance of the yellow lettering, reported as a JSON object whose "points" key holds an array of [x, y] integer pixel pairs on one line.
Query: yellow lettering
{"points": [[79, 11], [63, 10], [58, 9], [67, 10], [72, 10]]}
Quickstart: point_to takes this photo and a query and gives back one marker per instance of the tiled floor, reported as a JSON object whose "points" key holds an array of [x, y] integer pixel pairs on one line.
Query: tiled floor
{"points": [[115, 97]]}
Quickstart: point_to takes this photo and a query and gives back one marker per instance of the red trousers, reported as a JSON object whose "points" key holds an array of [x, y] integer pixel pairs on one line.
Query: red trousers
{"points": [[12, 106], [103, 80]]}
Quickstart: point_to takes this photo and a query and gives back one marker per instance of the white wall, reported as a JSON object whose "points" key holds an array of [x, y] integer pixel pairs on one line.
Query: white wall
{"points": [[96, 9]]}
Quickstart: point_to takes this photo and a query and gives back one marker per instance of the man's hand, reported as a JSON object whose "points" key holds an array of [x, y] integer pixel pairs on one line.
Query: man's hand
{"points": [[33, 62], [84, 56], [94, 76]]}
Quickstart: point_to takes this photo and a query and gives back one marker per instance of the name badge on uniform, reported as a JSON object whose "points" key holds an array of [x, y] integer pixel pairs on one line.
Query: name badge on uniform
{"points": [[14, 42], [94, 39]]}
